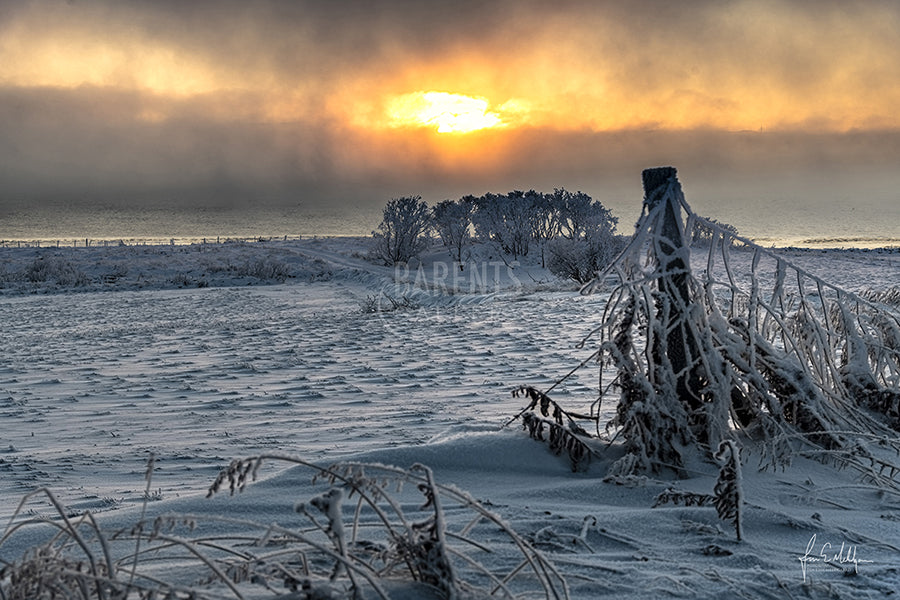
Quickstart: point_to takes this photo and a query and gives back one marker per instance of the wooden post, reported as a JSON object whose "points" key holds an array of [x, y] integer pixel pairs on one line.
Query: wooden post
{"points": [[661, 192], [672, 250]]}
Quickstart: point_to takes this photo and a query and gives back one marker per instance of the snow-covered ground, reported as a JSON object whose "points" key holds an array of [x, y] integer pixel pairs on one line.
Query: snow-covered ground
{"points": [[200, 354]]}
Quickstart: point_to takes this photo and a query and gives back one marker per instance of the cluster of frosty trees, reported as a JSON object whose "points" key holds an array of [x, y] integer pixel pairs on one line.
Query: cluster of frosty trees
{"points": [[574, 234]]}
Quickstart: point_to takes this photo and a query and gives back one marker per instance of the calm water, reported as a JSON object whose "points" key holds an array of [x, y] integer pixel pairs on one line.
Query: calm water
{"points": [[771, 220], [184, 225]]}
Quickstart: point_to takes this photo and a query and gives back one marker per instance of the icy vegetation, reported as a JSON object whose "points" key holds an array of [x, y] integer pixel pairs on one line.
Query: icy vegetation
{"points": [[369, 403], [782, 355], [574, 234], [375, 531]]}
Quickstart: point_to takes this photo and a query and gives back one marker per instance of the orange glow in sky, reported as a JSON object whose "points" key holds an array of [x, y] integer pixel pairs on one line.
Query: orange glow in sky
{"points": [[740, 66], [209, 91], [449, 113]]}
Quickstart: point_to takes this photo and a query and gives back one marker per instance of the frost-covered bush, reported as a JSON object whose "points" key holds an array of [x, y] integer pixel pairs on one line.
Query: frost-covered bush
{"points": [[697, 356], [576, 231], [506, 220], [796, 364], [452, 222], [587, 240], [268, 268], [54, 270], [705, 230], [581, 259], [545, 221], [403, 232], [579, 215]]}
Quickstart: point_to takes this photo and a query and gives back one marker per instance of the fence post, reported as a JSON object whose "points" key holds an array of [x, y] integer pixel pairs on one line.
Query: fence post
{"points": [[662, 192]]}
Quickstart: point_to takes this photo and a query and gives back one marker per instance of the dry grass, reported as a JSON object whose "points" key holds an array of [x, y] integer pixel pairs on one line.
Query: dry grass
{"points": [[372, 531]]}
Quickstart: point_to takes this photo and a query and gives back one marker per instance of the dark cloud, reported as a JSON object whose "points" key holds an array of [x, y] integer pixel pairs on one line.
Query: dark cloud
{"points": [[643, 45], [91, 142], [266, 114], [291, 39]]}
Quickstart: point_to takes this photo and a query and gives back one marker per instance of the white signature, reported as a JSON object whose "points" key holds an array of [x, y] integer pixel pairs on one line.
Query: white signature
{"points": [[827, 555]]}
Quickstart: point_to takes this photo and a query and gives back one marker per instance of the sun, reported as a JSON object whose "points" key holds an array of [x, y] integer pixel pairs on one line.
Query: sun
{"points": [[449, 113]]}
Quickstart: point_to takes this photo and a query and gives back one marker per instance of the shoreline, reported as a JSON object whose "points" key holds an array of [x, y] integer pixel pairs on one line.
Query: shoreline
{"points": [[834, 244], [109, 242]]}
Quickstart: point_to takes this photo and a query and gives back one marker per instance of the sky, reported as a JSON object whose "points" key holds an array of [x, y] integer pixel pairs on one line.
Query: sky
{"points": [[221, 102]]}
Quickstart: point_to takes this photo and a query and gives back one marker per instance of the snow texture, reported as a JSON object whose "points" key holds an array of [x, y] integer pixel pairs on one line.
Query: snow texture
{"points": [[202, 354]]}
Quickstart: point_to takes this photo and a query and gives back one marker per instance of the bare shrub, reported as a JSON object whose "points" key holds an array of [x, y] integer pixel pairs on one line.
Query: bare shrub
{"points": [[55, 270], [452, 221], [581, 259], [268, 268], [383, 302], [403, 232], [507, 221]]}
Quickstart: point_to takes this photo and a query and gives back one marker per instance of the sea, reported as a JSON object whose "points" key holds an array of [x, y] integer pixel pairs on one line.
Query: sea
{"points": [[771, 221], [104, 224]]}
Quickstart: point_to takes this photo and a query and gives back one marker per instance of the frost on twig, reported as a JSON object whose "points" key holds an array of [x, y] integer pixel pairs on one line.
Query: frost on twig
{"points": [[733, 339], [729, 492], [368, 531], [556, 426], [752, 342], [727, 496]]}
